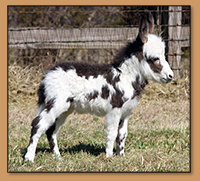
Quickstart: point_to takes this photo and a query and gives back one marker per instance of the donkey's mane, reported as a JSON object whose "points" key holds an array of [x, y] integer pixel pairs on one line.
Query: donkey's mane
{"points": [[88, 69], [132, 48]]}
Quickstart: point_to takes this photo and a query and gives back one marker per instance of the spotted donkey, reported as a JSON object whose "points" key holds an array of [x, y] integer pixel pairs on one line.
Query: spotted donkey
{"points": [[110, 90]]}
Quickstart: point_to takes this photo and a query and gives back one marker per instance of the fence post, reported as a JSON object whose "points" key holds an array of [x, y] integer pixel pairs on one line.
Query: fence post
{"points": [[174, 44]]}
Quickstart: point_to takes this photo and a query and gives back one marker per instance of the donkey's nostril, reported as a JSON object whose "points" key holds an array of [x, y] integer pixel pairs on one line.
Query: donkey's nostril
{"points": [[170, 76]]}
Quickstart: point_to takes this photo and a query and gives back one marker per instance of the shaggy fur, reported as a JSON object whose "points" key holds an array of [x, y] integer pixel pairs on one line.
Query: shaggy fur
{"points": [[110, 90]]}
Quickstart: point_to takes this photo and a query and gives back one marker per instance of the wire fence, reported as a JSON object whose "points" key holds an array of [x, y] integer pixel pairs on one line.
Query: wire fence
{"points": [[50, 34]]}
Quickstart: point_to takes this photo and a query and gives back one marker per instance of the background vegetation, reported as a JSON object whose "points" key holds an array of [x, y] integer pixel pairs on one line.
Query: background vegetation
{"points": [[53, 17]]}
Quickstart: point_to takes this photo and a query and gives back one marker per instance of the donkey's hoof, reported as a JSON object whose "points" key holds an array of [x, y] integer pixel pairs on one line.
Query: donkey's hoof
{"points": [[29, 158]]}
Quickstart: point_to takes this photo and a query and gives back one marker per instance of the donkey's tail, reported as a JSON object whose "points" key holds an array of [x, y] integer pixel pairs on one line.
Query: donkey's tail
{"points": [[41, 99]]}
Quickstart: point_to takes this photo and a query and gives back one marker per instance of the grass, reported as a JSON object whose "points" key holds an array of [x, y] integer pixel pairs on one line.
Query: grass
{"points": [[158, 139]]}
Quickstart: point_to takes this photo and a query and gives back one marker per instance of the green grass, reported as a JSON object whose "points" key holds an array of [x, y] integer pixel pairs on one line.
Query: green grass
{"points": [[158, 141], [158, 131]]}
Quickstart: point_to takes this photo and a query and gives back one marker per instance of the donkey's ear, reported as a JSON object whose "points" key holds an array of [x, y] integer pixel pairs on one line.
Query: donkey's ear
{"points": [[150, 21], [146, 26]]}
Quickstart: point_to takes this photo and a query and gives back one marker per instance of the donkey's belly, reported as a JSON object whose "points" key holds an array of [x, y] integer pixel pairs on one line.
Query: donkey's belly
{"points": [[98, 106]]}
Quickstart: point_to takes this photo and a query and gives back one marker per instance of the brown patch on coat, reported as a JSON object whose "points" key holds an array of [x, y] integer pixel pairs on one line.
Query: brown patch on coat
{"points": [[139, 55], [105, 92], [109, 76], [119, 150], [49, 134], [154, 64], [34, 129], [85, 69], [70, 99], [118, 140], [121, 124], [49, 104], [117, 98], [92, 95], [138, 86], [41, 96]]}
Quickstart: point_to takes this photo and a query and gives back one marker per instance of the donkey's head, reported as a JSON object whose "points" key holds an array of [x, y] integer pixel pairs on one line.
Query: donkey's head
{"points": [[153, 64]]}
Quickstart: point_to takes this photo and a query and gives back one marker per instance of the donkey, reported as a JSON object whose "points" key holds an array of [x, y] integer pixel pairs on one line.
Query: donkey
{"points": [[110, 90]]}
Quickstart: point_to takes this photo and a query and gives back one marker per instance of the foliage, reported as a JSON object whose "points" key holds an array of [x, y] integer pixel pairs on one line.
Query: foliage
{"points": [[64, 16], [84, 16]]}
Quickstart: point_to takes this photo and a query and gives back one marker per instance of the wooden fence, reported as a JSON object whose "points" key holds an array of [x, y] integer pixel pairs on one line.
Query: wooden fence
{"points": [[87, 38], [32, 38], [60, 38], [92, 38]]}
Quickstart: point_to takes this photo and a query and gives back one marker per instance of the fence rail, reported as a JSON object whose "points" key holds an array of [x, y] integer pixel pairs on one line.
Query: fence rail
{"points": [[89, 38]]}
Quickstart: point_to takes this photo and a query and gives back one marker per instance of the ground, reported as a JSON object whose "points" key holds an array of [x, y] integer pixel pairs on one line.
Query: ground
{"points": [[158, 132]]}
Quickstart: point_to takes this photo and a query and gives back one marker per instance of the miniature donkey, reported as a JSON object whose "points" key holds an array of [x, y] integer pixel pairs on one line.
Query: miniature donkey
{"points": [[110, 90]]}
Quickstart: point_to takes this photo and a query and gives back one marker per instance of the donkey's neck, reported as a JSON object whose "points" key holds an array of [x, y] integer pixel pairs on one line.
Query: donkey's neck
{"points": [[131, 68]]}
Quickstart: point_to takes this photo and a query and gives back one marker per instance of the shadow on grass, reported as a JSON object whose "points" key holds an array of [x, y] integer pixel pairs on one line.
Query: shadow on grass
{"points": [[88, 148]]}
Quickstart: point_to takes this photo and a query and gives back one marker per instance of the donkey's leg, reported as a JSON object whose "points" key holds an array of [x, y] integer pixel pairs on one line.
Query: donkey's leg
{"points": [[35, 135], [39, 125], [42, 123], [121, 136], [53, 131], [112, 123]]}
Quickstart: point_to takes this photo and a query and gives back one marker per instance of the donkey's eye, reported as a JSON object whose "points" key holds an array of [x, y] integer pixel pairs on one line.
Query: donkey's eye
{"points": [[155, 59], [157, 62], [152, 59]]}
